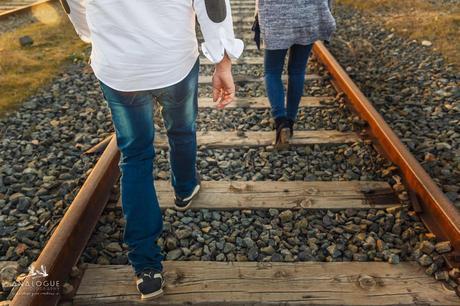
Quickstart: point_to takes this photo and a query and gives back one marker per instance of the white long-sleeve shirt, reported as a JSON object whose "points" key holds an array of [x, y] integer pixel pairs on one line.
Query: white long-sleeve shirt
{"points": [[150, 44]]}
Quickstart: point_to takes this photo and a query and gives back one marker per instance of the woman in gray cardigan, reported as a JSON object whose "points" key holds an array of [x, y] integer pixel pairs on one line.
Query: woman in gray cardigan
{"points": [[292, 25]]}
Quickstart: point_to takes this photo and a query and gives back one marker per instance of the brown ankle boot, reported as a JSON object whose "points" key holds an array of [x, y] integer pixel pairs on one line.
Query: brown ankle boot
{"points": [[282, 132]]}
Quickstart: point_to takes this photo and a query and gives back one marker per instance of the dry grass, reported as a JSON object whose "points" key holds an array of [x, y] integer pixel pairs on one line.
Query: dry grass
{"points": [[25, 69], [433, 20]]}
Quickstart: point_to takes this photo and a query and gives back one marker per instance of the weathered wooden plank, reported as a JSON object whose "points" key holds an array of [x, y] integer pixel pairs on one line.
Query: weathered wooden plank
{"points": [[243, 27], [284, 195], [215, 139], [250, 283], [262, 102], [243, 19], [236, 2], [247, 13], [243, 4], [251, 47], [247, 60], [243, 7], [207, 79]]}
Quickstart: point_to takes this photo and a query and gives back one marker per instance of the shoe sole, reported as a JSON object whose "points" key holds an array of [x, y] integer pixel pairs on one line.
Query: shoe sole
{"points": [[152, 295], [285, 135], [194, 193]]}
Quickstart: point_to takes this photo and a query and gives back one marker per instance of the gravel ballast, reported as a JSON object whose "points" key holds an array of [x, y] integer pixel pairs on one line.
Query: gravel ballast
{"points": [[412, 86], [42, 166]]}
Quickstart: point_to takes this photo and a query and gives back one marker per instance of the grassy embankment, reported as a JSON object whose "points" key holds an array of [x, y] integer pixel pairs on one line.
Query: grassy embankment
{"points": [[23, 70], [435, 21]]}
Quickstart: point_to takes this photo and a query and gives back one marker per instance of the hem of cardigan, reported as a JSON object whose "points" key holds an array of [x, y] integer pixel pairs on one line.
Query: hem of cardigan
{"points": [[288, 44]]}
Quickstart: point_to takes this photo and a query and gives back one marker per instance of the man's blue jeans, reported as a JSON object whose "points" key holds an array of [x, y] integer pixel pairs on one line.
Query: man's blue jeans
{"points": [[132, 116], [273, 66]]}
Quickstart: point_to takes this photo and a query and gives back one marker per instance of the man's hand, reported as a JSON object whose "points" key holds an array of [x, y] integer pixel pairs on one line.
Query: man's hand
{"points": [[223, 88]]}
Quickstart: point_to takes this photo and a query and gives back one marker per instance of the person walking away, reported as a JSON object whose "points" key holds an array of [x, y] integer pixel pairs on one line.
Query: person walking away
{"points": [[290, 25], [145, 50]]}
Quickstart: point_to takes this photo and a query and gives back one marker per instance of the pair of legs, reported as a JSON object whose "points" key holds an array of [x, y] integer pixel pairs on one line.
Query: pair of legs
{"points": [[132, 116], [273, 66]]}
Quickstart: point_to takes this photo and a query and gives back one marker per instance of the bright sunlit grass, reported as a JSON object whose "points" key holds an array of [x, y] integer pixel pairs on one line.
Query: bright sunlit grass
{"points": [[47, 14], [25, 69]]}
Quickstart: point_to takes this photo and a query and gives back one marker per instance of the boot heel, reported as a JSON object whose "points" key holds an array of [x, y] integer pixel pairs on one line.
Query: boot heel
{"points": [[285, 135], [283, 138], [282, 133]]}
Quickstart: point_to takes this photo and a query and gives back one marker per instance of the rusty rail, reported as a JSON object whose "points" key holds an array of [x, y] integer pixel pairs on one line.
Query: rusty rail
{"points": [[437, 211], [24, 9], [69, 239]]}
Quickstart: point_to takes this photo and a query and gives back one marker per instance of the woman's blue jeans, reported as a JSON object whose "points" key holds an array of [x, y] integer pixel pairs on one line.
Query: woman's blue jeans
{"points": [[132, 116], [273, 66]]}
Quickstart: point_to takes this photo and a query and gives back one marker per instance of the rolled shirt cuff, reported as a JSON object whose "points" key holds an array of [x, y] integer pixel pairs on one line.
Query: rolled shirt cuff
{"points": [[215, 50]]}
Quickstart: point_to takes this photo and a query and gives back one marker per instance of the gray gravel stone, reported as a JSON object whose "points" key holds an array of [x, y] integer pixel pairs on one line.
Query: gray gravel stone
{"points": [[171, 243], [113, 247], [393, 259], [285, 216], [425, 260], [174, 254], [26, 41], [253, 254], [102, 260], [183, 233], [427, 247], [441, 275], [443, 247], [269, 250], [334, 251]]}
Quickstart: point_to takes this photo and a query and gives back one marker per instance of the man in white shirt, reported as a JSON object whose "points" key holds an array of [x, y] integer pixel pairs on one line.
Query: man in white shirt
{"points": [[144, 50]]}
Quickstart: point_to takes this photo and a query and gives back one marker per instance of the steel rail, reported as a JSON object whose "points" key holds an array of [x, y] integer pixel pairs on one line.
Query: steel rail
{"points": [[437, 211], [69, 239], [23, 9]]}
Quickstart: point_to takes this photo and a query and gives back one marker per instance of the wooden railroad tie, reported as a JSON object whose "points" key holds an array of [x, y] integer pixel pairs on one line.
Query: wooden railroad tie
{"points": [[207, 79], [270, 283], [222, 140], [263, 103], [246, 60], [333, 195]]}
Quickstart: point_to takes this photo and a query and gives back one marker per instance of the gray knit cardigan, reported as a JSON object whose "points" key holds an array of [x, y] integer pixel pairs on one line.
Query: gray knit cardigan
{"points": [[287, 22]]}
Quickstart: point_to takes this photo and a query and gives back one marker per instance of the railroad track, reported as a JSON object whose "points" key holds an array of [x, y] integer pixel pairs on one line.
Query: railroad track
{"points": [[242, 283], [12, 8]]}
